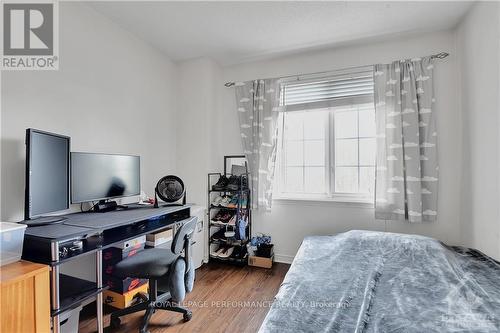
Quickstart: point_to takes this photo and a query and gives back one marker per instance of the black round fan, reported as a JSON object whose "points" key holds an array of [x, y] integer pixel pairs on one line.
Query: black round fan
{"points": [[170, 189]]}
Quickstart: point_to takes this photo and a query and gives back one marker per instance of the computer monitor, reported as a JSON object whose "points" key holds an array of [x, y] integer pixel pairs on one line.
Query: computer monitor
{"points": [[98, 177], [47, 175]]}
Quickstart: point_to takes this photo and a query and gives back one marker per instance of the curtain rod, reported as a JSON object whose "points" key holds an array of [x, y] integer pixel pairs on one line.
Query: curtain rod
{"points": [[440, 55]]}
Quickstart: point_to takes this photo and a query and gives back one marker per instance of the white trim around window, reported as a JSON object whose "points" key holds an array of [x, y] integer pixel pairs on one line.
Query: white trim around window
{"points": [[330, 107]]}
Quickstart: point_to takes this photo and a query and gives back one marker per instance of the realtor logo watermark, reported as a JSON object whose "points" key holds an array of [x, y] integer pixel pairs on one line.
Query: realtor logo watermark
{"points": [[30, 35]]}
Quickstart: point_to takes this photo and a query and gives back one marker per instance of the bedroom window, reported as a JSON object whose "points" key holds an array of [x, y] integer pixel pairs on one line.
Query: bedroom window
{"points": [[326, 146]]}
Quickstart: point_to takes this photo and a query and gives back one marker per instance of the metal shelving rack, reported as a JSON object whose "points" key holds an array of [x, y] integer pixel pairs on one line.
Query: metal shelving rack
{"points": [[241, 193]]}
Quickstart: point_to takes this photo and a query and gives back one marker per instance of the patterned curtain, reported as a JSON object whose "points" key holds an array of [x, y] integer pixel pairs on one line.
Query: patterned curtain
{"points": [[257, 104], [407, 165]]}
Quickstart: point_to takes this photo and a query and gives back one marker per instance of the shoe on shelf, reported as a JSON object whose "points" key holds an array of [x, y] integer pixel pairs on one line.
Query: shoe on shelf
{"points": [[225, 254], [240, 252], [223, 218], [217, 200], [233, 203], [236, 252], [217, 216], [221, 251], [232, 221], [219, 235], [233, 183], [226, 217], [243, 203], [221, 184], [219, 223], [225, 201], [214, 248]]}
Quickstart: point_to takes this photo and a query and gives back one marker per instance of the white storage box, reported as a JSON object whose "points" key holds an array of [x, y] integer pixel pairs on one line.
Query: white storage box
{"points": [[69, 320], [11, 242]]}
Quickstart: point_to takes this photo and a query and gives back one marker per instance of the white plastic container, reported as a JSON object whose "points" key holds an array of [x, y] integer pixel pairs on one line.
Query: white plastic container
{"points": [[11, 242], [69, 320]]}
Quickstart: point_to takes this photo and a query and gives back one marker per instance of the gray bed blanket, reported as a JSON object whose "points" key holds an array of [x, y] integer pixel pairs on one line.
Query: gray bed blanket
{"points": [[364, 281]]}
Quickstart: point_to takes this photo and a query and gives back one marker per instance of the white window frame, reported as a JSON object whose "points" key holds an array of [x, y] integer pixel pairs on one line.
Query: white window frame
{"points": [[329, 195]]}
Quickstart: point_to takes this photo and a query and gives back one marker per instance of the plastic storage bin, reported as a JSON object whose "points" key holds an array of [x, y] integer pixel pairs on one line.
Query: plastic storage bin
{"points": [[11, 242], [69, 320]]}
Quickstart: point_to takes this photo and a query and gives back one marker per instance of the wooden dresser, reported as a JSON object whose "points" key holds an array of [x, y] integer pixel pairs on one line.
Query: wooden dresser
{"points": [[25, 298]]}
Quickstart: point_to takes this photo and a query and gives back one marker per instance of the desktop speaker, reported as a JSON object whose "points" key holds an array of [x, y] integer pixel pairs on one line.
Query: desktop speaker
{"points": [[170, 189]]}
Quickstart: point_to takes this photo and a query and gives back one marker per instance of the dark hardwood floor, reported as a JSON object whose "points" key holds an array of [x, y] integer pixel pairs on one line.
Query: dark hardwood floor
{"points": [[225, 299]]}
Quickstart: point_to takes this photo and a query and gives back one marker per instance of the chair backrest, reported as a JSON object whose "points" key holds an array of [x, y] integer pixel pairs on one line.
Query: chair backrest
{"points": [[183, 235]]}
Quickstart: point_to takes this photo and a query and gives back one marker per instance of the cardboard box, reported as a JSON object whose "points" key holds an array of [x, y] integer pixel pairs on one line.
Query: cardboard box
{"points": [[159, 238], [122, 301], [133, 242], [113, 255], [122, 285], [260, 261]]}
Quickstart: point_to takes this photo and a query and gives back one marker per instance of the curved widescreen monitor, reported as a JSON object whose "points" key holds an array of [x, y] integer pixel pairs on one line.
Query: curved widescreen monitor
{"points": [[47, 173], [104, 176]]}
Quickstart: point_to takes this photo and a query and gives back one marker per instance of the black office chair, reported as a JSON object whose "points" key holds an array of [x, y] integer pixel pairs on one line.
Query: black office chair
{"points": [[165, 266]]}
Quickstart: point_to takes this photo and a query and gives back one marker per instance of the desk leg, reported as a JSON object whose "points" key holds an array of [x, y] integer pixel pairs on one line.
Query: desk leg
{"points": [[100, 312], [54, 297]]}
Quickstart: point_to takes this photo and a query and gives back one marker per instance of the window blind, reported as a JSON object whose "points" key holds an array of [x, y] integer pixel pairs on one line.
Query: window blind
{"points": [[355, 87]]}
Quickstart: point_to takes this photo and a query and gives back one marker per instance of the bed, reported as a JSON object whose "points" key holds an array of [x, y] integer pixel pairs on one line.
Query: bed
{"points": [[365, 281]]}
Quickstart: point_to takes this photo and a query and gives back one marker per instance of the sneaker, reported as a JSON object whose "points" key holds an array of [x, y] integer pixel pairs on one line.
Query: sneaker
{"points": [[220, 251], [221, 184], [225, 201], [232, 221], [233, 203], [240, 252], [224, 218], [213, 250], [227, 253], [233, 183], [217, 201], [243, 203], [236, 253], [219, 235], [217, 216]]}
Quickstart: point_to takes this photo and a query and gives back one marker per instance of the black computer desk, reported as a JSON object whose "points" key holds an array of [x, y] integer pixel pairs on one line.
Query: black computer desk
{"points": [[89, 233]]}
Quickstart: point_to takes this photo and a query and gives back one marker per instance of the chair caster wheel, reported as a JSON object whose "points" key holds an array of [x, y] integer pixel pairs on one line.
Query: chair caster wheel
{"points": [[115, 322], [187, 316]]}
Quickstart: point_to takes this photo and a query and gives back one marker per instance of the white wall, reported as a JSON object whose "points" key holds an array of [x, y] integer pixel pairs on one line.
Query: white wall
{"points": [[113, 93], [288, 223], [196, 107], [478, 40]]}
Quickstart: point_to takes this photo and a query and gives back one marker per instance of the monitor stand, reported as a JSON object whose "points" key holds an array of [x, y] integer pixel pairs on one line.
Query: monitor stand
{"points": [[44, 220], [105, 206]]}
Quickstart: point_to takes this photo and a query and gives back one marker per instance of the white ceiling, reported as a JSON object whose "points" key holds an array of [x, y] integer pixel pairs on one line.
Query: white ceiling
{"points": [[235, 32]]}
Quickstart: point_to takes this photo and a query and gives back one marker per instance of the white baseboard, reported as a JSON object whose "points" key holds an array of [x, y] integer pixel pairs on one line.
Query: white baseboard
{"points": [[283, 258]]}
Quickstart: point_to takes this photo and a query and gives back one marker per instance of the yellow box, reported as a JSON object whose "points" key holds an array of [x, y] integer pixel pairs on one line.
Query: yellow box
{"points": [[122, 301], [260, 261]]}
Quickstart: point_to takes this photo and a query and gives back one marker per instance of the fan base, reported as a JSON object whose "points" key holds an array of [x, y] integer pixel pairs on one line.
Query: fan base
{"points": [[157, 205]]}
